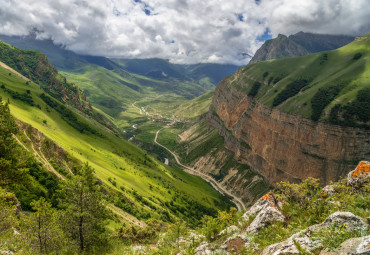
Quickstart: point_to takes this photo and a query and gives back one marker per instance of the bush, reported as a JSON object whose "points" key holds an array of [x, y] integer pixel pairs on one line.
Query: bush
{"points": [[355, 113], [254, 90], [323, 58], [25, 97], [357, 56], [210, 227], [270, 80], [290, 90], [323, 97]]}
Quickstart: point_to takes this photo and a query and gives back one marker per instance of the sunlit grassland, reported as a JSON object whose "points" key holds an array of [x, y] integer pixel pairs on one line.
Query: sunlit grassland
{"points": [[111, 157]]}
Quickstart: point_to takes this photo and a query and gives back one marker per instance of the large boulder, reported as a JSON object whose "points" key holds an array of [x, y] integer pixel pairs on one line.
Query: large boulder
{"points": [[266, 212], [360, 175], [303, 238], [353, 246], [351, 221], [262, 203], [265, 217]]}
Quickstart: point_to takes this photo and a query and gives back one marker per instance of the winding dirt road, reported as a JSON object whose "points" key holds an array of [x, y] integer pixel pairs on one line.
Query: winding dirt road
{"points": [[238, 202]]}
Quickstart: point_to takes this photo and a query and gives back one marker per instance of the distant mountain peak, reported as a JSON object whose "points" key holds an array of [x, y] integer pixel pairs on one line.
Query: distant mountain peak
{"points": [[299, 44]]}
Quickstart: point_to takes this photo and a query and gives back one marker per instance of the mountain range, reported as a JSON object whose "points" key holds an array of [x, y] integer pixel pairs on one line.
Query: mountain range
{"points": [[168, 146]]}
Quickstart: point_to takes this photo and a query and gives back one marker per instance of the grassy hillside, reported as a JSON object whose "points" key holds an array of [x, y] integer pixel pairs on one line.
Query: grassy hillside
{"points": [[119, 164], [331, 86], [178, 106]]}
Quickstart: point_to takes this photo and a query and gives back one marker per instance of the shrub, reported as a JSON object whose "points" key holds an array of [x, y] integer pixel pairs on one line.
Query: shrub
{"points": [[270, 80], [323, 97], [357, 56], [254, 90], [211, 227], [25, 97], [290, 90], [323, 58], [354, 113]]}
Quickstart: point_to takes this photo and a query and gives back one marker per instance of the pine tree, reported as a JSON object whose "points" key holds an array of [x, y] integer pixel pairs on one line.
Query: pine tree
{"points": [[10, 168], [84, 210], [41, 229], [8, 209]]}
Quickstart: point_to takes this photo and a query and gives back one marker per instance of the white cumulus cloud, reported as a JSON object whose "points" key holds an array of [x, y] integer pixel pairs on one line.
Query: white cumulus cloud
{"points": [[183, 31]]}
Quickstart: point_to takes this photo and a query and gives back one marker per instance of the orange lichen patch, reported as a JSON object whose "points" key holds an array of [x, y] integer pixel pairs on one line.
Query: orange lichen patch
{"points": [[323, 194], [363, 168], [267, 197]]}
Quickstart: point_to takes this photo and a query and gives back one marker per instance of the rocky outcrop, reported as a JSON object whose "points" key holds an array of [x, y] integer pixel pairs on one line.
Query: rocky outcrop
{"points": [[299, 44], [280, 47], [261, 204], [282, 146], [353, 246], [360, 175], [304, 240], [264, 218], [265, 212]]}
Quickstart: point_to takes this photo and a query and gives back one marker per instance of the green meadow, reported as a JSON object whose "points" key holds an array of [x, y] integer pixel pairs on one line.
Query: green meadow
{"points": [[119, 164], [313, 85]]}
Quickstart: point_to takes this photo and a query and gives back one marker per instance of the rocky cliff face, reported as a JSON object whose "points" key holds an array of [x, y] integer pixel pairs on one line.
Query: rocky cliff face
{"points": [[280, 47], [281, 146]]}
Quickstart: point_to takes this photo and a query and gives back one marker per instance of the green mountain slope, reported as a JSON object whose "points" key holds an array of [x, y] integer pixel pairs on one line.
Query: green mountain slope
{"points": [[330, 86], [36, 67], [120, 165]]}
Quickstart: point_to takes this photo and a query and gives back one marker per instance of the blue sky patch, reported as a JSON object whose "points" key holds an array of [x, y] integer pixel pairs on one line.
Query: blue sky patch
{"points": [[240, 17], [265, 36]]}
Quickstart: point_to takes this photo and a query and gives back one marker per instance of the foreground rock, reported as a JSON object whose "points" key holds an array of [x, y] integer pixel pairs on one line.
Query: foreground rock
{"points": [[266, 211], [261, 204], [304, 239], [264, 218], [353, 246], [360, 175]]}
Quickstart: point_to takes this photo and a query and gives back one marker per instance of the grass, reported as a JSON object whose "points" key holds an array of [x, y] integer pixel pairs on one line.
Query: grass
{"points": [[111, 157], [321, 70]]}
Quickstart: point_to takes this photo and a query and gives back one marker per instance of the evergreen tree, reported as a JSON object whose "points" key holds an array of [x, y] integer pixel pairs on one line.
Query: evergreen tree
{"points": [[10, 168], [41, 229], [84, 210], [8, 208]]}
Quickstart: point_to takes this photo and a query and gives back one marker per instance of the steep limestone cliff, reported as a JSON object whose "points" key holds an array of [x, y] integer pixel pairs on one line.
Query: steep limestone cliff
{"points": [[282, 146]]}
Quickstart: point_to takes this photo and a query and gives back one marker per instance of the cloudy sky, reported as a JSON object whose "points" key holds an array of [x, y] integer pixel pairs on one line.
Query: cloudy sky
{"points": [[183, 31]]}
